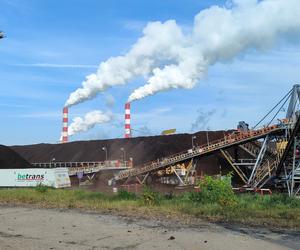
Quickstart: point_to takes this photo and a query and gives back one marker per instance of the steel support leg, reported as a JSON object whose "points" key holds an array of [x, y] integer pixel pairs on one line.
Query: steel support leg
{"points": [[287, 180], [294, 166], [259, 159], [190, 167], [91, 177], [181, 181], [297, 191], [236, 168], [145, 178]]}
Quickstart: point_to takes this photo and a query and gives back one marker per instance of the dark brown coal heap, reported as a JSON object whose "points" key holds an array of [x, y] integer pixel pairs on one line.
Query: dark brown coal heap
{"points": [[141, 149], [10, 159]]}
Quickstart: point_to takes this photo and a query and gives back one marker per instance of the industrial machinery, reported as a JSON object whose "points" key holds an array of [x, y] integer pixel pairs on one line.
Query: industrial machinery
{"points": [[243, 126], [89, 169], [273, 149]]}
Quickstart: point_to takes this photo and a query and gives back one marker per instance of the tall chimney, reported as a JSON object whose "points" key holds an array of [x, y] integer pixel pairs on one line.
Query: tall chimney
{"points": [[127, 120], [65, 125]]}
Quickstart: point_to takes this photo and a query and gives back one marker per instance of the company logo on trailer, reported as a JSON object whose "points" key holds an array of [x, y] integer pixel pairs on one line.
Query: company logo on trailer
{"points": [[30, 177]]}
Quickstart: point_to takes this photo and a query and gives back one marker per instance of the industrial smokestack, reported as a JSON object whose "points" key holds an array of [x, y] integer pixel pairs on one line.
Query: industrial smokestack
{"points": [[127, 120], [64, 138]]}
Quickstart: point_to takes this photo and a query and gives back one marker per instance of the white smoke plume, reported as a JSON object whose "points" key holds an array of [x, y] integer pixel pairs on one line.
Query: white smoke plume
{"points": [[148, 52], [89, 121], [170, 59]]}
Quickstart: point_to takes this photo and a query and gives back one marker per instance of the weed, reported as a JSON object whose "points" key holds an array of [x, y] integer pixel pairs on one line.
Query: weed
{"points": [[215, 202], [41, 188], [125, 195], [150, 197]]}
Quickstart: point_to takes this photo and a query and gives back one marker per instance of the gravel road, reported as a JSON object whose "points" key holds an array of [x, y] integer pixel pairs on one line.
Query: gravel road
{"points": [[31, 228]]}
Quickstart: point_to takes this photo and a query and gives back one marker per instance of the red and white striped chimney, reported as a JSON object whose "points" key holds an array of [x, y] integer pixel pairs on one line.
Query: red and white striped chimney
{"points": [[65, 125], [127, 120]]}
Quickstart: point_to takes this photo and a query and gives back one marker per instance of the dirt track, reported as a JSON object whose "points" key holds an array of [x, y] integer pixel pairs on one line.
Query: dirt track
{"points": [[27, 228]]}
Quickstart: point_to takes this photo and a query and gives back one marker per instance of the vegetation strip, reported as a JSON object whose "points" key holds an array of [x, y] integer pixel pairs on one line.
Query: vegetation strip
{"points": [[215, 203]]}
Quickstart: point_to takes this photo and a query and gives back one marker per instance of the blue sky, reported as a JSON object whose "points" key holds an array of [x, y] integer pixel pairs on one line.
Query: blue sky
{"points": [[52, 45]]}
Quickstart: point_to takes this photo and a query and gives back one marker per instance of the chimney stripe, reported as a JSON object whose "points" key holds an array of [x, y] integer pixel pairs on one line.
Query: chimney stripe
{"points": [[127, 121], [65, 125]]}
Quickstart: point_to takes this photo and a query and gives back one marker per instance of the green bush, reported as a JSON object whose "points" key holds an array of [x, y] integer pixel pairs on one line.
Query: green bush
{"points": [[41, 188], [125, 195], [191, 196], [214, 190], [150, 197]]}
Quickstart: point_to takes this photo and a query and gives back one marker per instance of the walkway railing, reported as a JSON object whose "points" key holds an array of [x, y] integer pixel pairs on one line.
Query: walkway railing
{"points": [[228, 141], [86, 167]]}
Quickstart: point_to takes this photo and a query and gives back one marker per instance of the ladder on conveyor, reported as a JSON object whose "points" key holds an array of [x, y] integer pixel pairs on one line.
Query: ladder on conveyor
{"points": [[229, 141]]}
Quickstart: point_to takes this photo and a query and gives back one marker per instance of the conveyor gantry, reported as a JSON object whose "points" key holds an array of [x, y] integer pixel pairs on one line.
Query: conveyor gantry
{"points": [[229, 141], [86, 167]]}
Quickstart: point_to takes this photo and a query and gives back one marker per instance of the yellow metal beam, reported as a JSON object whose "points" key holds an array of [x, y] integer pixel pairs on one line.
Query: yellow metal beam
{"points": [[237, 170]]}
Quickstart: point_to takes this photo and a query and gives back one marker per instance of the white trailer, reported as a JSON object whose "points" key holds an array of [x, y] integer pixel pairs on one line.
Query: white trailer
{"points": [[31, 177]]}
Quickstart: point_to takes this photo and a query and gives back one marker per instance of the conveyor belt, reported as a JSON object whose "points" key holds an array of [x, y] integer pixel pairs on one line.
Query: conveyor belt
{"points": [[86, 167], [227, 142]]}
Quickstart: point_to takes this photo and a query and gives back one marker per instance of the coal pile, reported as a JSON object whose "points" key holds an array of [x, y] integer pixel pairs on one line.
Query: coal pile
{"points": [[141, 149], [10, 159]]}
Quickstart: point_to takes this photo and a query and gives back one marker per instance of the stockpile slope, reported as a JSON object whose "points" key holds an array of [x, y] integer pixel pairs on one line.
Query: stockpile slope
{"points": [[141, 149], [10, 159]]}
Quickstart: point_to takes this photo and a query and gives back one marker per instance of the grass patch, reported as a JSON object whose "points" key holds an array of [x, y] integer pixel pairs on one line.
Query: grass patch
{"points": [[277, 211]]}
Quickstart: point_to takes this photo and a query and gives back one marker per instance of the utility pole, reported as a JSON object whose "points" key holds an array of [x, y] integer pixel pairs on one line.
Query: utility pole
{"points": [[193, 145], [207, 136], [105, 149], [51, 161], [124, 154]]}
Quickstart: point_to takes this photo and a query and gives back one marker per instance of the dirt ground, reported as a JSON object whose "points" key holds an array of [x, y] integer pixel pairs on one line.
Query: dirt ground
{"points": [[31, 228]]}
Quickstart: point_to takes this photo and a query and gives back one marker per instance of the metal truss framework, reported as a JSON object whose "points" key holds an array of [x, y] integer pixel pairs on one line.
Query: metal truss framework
{"points": [[255, 172], [272, 161], [292, 170], [174, 170]]}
